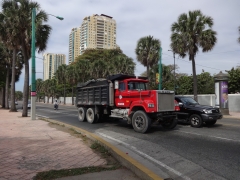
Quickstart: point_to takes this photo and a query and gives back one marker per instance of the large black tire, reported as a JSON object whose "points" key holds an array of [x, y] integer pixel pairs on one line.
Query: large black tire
{"points": [[82, 114], [210, 123], [91, 116], [141, 122], [196, 121], [170, 123]]}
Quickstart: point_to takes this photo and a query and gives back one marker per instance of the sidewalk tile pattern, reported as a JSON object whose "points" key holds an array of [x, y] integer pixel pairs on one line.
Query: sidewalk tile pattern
{"points": [[31, 146]]}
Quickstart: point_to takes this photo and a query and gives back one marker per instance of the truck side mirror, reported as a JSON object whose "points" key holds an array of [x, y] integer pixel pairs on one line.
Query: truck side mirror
{"points": [[116, 85]]}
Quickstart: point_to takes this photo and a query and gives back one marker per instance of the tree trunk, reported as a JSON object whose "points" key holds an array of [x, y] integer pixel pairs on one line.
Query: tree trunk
{"points": [[72, 96], [26, 85], [3, 97], [13, 106], [64, 94], [147, 75], [7, 88], [194, 79]]}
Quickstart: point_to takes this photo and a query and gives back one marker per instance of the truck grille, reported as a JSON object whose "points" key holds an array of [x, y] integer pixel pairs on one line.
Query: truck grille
{"points": [[165, 100]]}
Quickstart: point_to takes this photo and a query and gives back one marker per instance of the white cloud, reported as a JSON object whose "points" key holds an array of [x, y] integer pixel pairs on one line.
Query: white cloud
{"points": [[138, 18]]}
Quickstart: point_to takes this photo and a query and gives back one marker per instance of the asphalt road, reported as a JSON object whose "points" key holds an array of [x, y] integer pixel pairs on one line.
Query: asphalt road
{"points": [[182, 153]]}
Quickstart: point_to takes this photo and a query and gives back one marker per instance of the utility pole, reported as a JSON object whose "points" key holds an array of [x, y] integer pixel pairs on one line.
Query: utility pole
{"points": [[174, 71], [33, 79], [160, 69]]}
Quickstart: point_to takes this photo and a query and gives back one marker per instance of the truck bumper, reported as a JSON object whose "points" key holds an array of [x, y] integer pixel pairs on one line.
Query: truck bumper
{"points": [[211, 117]]}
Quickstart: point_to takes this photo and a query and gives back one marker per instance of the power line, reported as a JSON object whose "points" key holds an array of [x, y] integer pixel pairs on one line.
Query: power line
{"points": [[196, 64]]}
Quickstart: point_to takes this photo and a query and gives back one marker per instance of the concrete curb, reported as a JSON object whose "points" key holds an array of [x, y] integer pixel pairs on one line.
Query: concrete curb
{"points": [[124, 159]]}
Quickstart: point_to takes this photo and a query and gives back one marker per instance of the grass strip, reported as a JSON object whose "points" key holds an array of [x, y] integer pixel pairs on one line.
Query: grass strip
{"points": [[53, 174]]}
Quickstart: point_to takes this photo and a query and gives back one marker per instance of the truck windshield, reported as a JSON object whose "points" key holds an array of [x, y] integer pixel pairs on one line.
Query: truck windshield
{"points": [[137, 86]]}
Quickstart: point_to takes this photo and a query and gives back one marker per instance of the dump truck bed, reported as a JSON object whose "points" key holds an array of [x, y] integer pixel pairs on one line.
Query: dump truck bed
{"points": [[93, 92]]}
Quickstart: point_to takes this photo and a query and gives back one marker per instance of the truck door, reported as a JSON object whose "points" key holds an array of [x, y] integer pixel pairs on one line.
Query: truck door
{"points": [[137, 91], [121, 97]]}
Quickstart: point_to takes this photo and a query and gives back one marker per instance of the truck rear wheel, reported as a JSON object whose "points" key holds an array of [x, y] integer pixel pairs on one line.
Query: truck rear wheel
{"points": [[141, 122], [91, 116], [82, 114], [170, 123]]}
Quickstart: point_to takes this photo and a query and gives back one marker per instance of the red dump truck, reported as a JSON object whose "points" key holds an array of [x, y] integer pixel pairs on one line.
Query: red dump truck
{"points": [[126, 97]]}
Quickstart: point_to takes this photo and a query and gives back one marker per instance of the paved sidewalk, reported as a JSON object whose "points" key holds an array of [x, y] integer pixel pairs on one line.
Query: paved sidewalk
{"points": [[235, 115], [31, 146]]}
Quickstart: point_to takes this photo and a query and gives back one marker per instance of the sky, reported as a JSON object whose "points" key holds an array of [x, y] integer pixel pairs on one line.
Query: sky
{"points": [[136, 19]]}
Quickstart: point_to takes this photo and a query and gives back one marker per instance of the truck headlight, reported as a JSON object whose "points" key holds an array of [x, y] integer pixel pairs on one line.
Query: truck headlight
{"points": [[207, 111], [151, 105]]}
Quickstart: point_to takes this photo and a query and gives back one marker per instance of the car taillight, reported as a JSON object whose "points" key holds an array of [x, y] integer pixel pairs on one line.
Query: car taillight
{"points": [[177, 108]]}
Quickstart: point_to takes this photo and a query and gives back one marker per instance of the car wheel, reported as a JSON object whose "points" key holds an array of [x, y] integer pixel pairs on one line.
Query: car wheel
{"points": [[210, 123], [82, 114], [141, 122], [91, 116], [170, 123], [196, 121]]}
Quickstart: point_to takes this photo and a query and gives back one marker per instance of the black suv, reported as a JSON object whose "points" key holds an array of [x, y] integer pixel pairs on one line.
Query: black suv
{"points": [[195, 114]]}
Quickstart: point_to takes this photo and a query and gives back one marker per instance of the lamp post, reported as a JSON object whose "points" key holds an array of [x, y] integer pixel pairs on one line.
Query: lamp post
{"points": [[174, 70], [160, 69], [33, 79]]}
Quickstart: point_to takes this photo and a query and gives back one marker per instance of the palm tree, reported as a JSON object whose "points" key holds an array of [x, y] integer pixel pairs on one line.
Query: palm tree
{"points": [[98, 69], [9, 35], [39, 84], [83, 70], [71, 79], [46, 89], [52, 88], [5, 61], [191, 32], [147, 51], [23, 24], [60, 77]]}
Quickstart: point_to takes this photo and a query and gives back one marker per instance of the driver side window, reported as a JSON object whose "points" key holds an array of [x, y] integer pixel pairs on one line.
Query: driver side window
{"points": [[122, 86], [130, 86]]}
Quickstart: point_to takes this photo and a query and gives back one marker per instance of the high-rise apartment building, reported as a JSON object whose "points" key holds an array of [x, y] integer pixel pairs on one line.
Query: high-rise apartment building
{"points": [[98, 31], [95, 32], [74, 44], [51, 62]]}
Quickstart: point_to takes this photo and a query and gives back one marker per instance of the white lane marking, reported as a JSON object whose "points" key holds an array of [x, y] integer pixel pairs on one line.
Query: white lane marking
{"points": [[210, 136], [147, 156]]}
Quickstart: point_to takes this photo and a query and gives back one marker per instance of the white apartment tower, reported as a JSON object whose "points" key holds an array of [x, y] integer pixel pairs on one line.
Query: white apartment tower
{"points": [[98, 31], [51, 62], [74, 44], [95, 32]]}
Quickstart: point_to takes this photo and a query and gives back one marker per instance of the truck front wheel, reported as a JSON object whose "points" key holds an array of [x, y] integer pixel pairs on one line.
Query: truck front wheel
{"points": [[170, 123], [82, 114], [91, 116], [141, 122]]}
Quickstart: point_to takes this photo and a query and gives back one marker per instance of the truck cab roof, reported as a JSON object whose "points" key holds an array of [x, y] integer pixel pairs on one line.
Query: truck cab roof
{"points": [[124, 76]]}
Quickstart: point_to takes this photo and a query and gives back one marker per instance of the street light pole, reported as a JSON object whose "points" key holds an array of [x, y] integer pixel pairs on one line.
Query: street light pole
{"points": [[160, 69], [174, 70], [33, 80]]}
